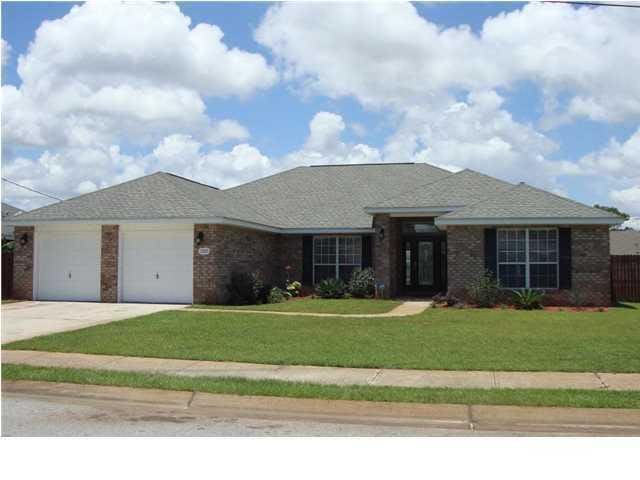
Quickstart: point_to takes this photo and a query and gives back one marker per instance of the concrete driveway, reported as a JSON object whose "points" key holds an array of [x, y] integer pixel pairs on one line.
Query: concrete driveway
{"points": [[23, 320]]}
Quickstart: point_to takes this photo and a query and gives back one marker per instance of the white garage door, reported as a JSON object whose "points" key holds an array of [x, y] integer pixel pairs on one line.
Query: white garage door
{"points": [[157, 264], [68, 263]]}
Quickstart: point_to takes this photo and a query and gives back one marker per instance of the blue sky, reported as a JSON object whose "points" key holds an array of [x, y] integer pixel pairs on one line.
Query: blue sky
{"points": [[488, 86]]}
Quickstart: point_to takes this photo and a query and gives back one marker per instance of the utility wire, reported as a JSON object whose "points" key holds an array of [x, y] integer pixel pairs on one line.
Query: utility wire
{"points": [[595, 4], [31, 189]]}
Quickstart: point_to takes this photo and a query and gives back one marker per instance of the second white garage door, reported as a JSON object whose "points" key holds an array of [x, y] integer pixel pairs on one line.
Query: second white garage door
{"points": [[157, 264]]}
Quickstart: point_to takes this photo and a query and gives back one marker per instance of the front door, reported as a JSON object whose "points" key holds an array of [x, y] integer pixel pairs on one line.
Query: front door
{"points": [[421, 263]]}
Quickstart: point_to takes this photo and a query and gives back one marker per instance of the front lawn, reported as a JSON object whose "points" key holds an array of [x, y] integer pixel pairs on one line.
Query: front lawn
{"points": [[348, 306], [442, 339], [240, 386]]}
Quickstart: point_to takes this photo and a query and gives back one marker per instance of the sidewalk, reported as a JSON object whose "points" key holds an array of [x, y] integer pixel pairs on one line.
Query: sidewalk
{"points": [[403, 310], [330, 375]]}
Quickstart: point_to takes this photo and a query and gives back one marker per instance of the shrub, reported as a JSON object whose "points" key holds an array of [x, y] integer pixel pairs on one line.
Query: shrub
{"points": [[247, 289], [484, 291], [362, 283], [277, 295], [445, 299], [293, 288], [527, 299], [331, 288]]}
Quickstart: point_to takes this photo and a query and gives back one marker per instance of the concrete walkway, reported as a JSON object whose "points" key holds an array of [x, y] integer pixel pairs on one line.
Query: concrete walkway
{"points": [[22, 320], [403, 310], [330, 375]]}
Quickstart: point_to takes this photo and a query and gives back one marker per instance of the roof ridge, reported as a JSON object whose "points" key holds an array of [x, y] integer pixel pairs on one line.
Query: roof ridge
{"points": [[186, 179], [281, 172], [524, 184], [94, 191], [416, 188], [486, 199], [205, 204], [370, 164]]}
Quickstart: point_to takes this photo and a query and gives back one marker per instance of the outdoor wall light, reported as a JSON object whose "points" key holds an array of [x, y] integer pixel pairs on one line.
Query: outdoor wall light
{"points": [[199, 238], [381, 233], [24, 239]]}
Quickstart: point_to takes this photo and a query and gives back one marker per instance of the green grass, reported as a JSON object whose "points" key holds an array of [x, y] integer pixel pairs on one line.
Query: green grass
{"points": [[442, 339], [238, 386], [7, 301], [348, 306]]}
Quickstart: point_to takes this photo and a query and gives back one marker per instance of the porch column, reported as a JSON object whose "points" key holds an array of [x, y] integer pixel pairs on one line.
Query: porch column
{"points": [[385, 253]]}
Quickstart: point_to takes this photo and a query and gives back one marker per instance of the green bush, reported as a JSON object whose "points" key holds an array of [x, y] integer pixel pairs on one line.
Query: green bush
{"points": [[247, 289], [484, 291], [331, 288], [362, 283], [277, 295], [527, 299], [293, 288]]}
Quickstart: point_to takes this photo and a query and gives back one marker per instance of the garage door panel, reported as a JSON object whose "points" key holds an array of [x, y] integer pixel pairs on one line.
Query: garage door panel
{"points": [[68, 265], [157, 266]]}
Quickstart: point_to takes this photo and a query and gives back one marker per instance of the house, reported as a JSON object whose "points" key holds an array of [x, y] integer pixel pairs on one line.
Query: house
{"points": [[8, 211], [164, 238], [625, 242]]}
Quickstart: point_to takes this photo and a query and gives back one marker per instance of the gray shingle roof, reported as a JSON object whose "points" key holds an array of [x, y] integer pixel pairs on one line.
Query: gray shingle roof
{"points": [[526, 202], [322, 197], [9, 210], [457, 189], [157, 196], [332, 196]]}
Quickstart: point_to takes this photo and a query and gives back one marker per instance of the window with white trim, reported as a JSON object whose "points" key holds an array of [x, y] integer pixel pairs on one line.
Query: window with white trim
{"points": [[336, 257], [528, 257]]}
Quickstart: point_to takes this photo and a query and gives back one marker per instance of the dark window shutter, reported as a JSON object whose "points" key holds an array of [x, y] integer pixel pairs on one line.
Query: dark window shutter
{"points": [[307, 260], [490, 255], [367, 253], [564, 250]]}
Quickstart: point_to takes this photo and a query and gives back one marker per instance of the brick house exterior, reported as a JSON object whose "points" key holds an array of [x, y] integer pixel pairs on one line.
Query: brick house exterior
{"points": [[109, 245], [590, 275], [23, 264], [268, 225]]}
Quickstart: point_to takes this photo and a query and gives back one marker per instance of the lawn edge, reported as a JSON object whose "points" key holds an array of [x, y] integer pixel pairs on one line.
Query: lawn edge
{"points": [[571, 398]]}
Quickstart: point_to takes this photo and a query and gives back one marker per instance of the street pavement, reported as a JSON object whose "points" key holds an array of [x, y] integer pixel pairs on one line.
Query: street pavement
{"points": [[56, 409]]}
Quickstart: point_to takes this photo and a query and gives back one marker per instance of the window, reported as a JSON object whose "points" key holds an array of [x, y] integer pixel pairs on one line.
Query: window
{"points": [[528, 258], [336, 257]]}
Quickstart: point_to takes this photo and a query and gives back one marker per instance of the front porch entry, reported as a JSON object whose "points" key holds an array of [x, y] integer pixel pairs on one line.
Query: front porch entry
{"points": [[423, 258]]}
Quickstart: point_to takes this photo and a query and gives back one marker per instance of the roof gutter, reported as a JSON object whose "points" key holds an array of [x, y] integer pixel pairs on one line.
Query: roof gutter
{"points": [[411, 210], [181, 221], [443, 221]]}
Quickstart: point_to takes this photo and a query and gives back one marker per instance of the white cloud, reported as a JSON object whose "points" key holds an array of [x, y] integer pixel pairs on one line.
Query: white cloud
{"points": [[5, 51], [137, 71], [620, 160], [633, 223], [616, 169], [627, 200], [324, 145], [386, 54], [183, 155]]}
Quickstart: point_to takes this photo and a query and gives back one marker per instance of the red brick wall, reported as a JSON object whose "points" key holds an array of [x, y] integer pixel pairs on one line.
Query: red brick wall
{"points": [[385, 253], [289, 249], [590, 283], [233, 249], [109, 264], [23, 265], [465, 257]]}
